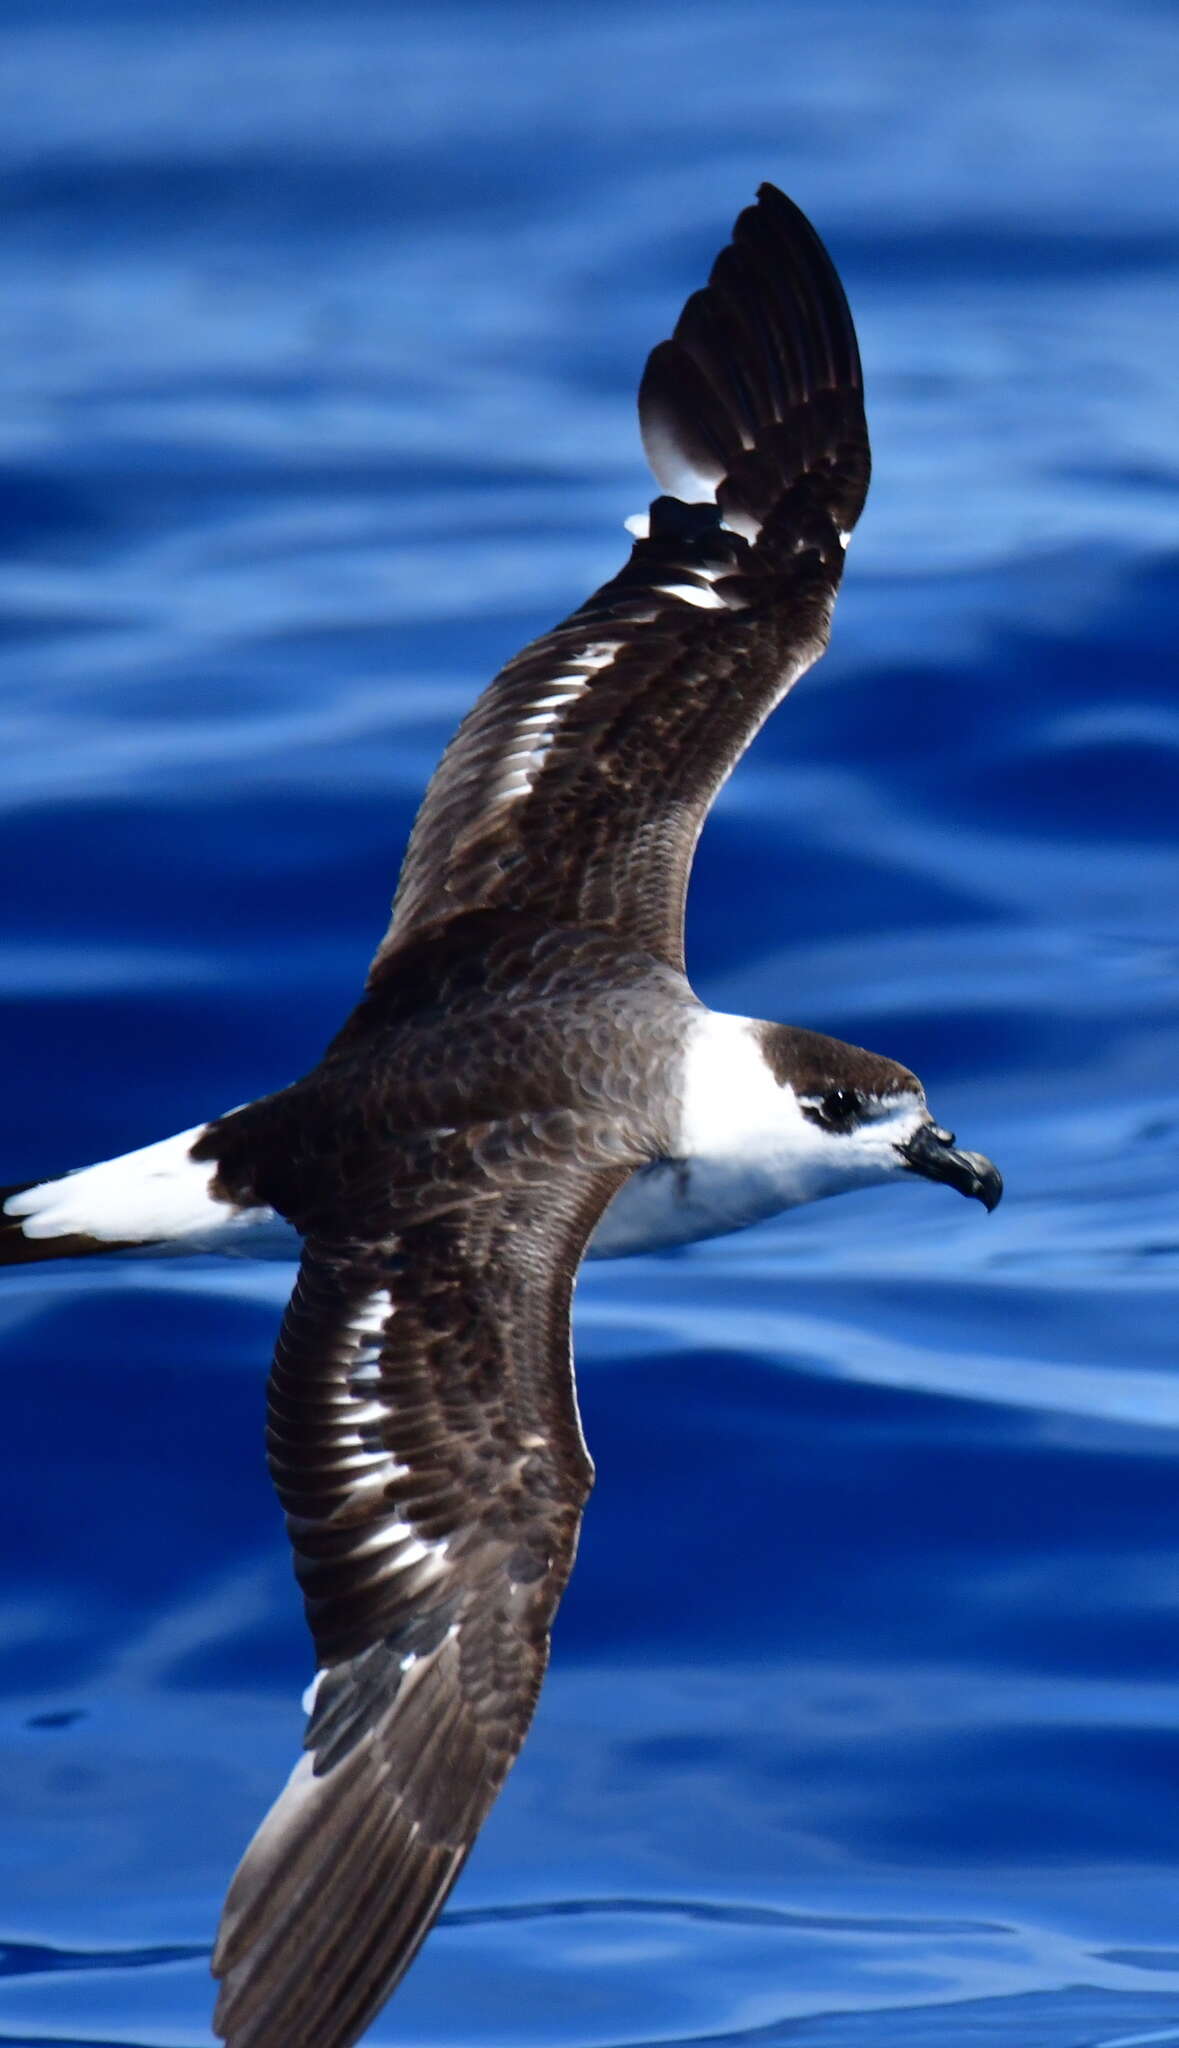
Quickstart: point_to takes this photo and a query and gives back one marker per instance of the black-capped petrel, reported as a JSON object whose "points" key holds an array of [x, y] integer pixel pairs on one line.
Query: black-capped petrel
{"points": [[528, 1074]]}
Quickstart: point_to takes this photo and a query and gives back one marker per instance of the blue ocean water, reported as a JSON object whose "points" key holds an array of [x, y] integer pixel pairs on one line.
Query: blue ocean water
{"points": [[319, 333]]}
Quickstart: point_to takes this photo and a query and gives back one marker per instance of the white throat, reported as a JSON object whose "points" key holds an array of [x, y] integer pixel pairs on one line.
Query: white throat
{"points": [[744, 1150]]}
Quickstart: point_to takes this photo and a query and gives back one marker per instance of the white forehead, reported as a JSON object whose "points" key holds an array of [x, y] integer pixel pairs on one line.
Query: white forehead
{"points": [[727, 1079]]}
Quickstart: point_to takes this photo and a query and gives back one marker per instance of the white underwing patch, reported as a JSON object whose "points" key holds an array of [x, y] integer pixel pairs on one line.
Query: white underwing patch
{"points": [[700, 594], [539, 725]]}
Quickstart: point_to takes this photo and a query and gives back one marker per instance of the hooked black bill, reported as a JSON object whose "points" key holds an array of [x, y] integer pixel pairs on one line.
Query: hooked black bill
{"points": [[931, 1153]]}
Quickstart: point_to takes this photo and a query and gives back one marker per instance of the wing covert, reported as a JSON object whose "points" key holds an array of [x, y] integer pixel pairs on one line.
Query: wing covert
{"points": [[578, 785], [425, 1443]]}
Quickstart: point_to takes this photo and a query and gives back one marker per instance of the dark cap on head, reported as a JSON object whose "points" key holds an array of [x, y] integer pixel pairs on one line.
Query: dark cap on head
{"points": [[813, 1065]]}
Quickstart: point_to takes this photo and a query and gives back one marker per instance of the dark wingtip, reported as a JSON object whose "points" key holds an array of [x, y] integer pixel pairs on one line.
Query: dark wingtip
{"points": [[761, 377]]}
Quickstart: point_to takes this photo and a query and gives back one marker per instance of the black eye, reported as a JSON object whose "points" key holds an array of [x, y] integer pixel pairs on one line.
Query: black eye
{"points": [[841, 1108]]}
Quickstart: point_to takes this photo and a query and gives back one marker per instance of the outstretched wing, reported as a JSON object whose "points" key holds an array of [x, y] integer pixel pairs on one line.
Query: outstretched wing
{"points": [[578, 785], [425, 1443]]}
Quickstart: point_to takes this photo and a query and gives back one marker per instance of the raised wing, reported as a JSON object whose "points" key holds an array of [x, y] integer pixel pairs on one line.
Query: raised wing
{"points": [[578, 785], [425, 1443]]}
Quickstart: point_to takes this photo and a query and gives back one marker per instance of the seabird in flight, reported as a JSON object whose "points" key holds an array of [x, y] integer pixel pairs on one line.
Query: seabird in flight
{"points": [[528, 1074]]}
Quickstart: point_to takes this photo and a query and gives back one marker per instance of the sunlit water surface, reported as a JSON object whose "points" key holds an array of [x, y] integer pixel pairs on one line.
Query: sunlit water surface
{"points": [[319, 336]]}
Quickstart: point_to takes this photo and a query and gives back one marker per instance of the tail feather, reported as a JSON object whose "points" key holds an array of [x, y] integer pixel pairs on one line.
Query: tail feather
{"points": [[156, 1199], [17, 1248]]}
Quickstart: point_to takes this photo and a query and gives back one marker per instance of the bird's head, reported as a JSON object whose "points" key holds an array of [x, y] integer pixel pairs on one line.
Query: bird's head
{"points": [[862, 1118]]}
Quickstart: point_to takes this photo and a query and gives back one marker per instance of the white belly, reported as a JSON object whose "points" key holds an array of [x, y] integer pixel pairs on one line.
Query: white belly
{"points": [[679, 1201]]}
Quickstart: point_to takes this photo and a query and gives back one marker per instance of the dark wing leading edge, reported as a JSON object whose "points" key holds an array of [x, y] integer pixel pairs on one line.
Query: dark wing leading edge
{"points": [[578, 785], [425, 1443]]}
